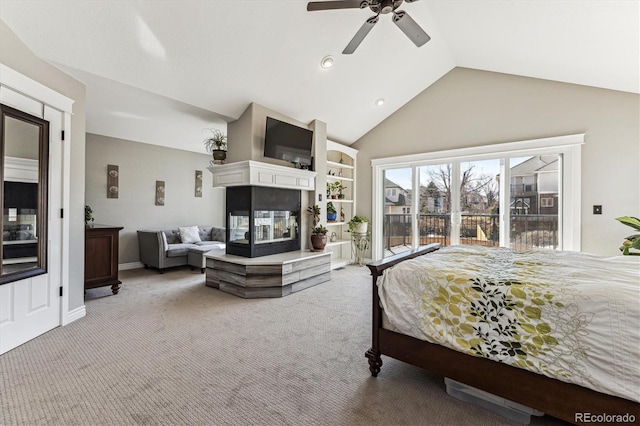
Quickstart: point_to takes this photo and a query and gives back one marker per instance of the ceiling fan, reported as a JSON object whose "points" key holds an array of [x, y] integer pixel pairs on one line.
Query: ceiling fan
{"points": [[400, 18]]}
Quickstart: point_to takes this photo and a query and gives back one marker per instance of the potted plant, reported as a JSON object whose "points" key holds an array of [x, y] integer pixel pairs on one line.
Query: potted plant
{"points": [[340, 188], [88, 215], [331, 188], [632, 242], [216, 144], [319, 237], [332, 213], [358, 224]]}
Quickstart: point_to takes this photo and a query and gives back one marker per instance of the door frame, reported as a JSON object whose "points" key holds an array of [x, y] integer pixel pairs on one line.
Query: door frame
{"points": [[14, 88]]}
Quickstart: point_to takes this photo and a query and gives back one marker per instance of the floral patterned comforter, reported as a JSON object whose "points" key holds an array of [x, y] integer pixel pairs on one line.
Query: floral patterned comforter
{"points": [[571, 316]]}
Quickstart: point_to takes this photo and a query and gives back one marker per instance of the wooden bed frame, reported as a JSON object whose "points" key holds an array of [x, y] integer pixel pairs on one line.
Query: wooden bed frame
{"points": [[553, 397]]}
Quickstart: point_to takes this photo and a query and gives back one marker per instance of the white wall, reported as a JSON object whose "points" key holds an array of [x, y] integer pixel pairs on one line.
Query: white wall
{"points": [[471, 108], [140, 166]]}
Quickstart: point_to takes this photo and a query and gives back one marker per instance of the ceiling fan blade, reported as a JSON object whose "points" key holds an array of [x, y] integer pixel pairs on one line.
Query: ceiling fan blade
{"points": [[409, 1], [360, 35], [410, 28], [338, 4]]}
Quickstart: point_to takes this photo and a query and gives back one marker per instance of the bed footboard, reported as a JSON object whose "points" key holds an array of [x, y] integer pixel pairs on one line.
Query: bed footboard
{"points": [[377, 269]]}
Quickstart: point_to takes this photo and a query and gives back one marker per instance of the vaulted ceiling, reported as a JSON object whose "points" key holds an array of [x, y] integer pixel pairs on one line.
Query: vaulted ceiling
{"points": [[161, 71]]}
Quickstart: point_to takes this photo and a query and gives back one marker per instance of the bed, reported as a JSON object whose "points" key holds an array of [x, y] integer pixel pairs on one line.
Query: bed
{"points": [[555, 331]]}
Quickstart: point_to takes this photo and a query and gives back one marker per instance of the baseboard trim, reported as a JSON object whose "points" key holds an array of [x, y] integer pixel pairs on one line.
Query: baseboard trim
{"points": [[74, 315], [130, 265]]}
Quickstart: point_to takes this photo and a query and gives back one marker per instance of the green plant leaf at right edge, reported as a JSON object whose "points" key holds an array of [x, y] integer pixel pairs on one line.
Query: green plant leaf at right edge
{"points": [[631, 221]]}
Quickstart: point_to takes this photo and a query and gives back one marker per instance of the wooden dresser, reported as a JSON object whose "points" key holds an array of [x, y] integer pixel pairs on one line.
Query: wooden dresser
{"points": [[101, 257]]}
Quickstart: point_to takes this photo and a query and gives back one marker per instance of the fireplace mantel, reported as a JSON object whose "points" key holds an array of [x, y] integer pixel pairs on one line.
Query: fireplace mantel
{"points": [[262, 174]]}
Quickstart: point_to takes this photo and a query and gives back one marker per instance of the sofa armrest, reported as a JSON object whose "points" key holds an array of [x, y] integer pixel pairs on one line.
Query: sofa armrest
{"points": [[151, 246]]}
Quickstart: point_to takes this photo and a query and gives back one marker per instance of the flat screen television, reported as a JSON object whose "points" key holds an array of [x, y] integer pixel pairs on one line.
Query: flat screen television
{"points": [[288, 142]]}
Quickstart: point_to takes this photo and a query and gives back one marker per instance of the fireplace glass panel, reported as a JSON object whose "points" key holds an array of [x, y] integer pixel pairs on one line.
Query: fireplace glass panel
{"points": [[271, 226], [239, 227]]}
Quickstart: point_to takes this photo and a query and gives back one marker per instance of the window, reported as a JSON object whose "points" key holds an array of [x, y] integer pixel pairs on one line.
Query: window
{"points": [[457, 196], [546, 202]]}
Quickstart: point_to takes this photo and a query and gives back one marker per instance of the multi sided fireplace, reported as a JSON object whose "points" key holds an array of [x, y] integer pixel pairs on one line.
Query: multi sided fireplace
{"points": [[262, 221]]}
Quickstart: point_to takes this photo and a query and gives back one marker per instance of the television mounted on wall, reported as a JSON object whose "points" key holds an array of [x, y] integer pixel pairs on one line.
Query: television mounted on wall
{"points": [[288, 142]]}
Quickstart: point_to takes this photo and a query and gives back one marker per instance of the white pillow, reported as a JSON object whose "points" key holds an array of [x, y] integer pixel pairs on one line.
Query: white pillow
{"points": [[189, 234]]}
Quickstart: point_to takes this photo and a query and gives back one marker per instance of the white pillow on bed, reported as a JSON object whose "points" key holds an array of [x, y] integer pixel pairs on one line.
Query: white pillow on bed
{"points": [[189, 234]]}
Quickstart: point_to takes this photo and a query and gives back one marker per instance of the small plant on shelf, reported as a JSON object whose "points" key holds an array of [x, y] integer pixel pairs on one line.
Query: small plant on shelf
{"points": [[216, 144], [340, 188], [88, 215], [332, 213], [358, 224], [332, 187]]}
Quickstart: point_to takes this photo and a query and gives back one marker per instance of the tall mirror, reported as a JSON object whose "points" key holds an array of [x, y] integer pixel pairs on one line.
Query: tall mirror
{"points": [[24, 158]]}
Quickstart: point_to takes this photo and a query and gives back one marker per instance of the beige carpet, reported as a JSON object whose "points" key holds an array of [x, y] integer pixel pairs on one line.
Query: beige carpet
{"points": [[169, 350]]}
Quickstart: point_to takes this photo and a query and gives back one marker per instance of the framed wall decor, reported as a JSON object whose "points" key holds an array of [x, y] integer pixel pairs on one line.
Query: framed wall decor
{"points": [[198, 184], [112, 181], [160, 193]]}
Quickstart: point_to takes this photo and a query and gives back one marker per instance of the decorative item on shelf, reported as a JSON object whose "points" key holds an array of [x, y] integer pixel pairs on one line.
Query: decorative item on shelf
{"points": [[198, 184], [216, 144], [314, 211], [319, 237], [112, 181], [632, 242], [331, 212], [342, 215], [358, 224], [88, 215], [334, 237]]}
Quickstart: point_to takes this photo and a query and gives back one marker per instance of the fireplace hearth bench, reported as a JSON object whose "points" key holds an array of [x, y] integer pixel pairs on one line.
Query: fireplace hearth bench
{"points": [[275, 275]]}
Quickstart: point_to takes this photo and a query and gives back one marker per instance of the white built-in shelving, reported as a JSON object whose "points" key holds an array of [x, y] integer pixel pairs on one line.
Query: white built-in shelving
{"points": [[341, 167]]}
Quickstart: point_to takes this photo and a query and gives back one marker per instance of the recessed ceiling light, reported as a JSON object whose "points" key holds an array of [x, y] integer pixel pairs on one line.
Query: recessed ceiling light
{"points": [[379, 102], [327, 62]]}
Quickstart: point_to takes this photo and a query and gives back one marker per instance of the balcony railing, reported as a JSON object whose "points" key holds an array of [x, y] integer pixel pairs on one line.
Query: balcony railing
{"points": [[521, 188], [527, 231]]}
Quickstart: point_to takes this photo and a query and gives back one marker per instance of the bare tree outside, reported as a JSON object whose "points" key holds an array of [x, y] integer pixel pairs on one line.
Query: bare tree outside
{"points": [[479, 192]]}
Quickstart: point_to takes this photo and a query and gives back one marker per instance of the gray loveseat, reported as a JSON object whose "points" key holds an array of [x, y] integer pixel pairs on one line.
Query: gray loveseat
{"points": [[163, 248]]}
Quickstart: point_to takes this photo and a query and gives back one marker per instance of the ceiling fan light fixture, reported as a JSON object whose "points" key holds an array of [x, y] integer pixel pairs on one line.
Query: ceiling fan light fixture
{"points": [[379, 102], [327, 62]]}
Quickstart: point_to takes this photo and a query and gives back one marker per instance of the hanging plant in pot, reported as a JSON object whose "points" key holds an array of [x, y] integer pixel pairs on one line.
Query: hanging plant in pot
{"points": [[319, 238], [216, 144]]}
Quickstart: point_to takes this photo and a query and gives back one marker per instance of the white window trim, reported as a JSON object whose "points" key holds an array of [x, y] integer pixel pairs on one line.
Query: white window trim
{"points": [[569, 146]]}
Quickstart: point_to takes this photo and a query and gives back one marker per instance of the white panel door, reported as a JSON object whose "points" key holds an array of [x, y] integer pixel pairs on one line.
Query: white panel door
{"points": [[31, 307]]}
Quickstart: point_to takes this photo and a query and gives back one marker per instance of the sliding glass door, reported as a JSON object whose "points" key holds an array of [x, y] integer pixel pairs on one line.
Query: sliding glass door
{"points": [[434, 204], [479, 202], [398, 202], [504, 199], [534, 202]]}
